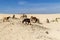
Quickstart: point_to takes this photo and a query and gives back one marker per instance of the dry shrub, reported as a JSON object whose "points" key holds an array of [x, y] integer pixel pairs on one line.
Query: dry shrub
{"points": [[47, 20]]}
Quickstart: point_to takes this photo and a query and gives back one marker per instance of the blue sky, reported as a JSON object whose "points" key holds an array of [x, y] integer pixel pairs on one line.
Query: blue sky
{"points": [[30, 6]]}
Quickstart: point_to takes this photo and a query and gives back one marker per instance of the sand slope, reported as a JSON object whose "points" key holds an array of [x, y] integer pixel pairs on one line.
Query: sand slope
{"points": [[15, 30]]}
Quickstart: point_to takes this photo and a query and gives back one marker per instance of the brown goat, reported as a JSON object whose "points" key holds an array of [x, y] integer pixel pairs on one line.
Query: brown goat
{"points": [[34, 19], [23, 16], [13, 16], [6, 18]]}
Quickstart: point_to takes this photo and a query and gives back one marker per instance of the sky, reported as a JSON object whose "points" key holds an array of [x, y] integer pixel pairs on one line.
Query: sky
{"points": [[30, 6]]}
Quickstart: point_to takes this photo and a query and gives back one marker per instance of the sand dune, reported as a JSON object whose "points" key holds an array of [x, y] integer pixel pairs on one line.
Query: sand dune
{"points": [[15, 30]]}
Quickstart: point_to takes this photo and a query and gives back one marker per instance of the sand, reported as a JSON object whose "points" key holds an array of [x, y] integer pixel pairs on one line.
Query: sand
{"points": [[15, 30]]}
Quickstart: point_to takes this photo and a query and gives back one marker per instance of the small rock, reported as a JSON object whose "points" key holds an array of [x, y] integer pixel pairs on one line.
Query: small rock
{"points": [[47, 32]]}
